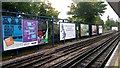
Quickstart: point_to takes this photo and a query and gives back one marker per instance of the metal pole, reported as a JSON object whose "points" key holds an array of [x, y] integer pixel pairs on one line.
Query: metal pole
{"points": [[38, 18], [59, 33], [17, 51], [119, 16], [64, 37], [77, 30], [52, 31], [63, 20], [1, 32]]}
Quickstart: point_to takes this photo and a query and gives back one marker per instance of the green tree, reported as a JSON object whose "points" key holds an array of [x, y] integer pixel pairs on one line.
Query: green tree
{"points": [[98, 20], [110, 23], [87, 11], [35, 8]]}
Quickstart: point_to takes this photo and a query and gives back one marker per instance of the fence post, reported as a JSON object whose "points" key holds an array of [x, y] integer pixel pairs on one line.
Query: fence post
{"points": [[52, 31], [77, 29], [63, 22], [59, 33], [1, 34]]}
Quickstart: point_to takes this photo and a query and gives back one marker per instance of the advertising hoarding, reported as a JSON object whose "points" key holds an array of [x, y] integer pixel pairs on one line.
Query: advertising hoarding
{"points": [[84, 29], [94, 29], [67, 31], [18, 33], [115, 28], [43, 32], [12, 33], [100, 29], [30, 32]]}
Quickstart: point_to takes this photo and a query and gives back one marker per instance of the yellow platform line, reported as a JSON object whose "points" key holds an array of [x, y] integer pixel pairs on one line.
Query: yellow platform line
{"points": [[117, 61]]}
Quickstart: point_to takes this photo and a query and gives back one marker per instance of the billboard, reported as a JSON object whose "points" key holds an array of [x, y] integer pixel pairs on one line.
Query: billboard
{"points": [[84, 29], [100, 29], [18, 33], [42, 32], [30, 32], [12, 33], [94, 29], [67, 31], [115, 28]]}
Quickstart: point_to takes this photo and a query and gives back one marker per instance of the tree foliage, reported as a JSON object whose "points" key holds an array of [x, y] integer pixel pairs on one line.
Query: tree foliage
{"points": [[35, 8], [87, 11], [98, 20], [110, 23]]}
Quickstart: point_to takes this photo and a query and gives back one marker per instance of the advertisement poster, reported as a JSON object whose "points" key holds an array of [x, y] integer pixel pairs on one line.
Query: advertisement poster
{"points": [[94, 30], [12, 33], [84, 30], [30, 32], [67, 31], [115, 28], [43, 32], [100, 29]]}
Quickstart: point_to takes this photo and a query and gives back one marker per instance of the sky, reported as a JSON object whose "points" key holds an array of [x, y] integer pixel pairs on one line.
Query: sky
{"points": [[109, 11], [62, 7]]}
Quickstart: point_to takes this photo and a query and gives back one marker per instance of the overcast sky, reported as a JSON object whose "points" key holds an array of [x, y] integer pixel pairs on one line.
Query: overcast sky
{"points": [[109, 11], [62, 7]]}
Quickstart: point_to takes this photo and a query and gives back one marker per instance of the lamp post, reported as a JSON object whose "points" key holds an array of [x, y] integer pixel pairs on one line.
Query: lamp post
{"points": [[52, 31]]}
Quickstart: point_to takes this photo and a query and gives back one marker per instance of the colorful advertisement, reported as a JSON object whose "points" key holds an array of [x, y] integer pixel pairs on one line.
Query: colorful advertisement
{"points": [[100, 29], [18, 33], [30, 32], [43, 32], [67, 31], [12, 33], [94, 29], [84, 30]]}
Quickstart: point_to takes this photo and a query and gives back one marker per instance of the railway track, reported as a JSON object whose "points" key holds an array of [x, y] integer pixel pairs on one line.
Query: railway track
{"points": [[59, 56], [95, 58], [80, 56]]}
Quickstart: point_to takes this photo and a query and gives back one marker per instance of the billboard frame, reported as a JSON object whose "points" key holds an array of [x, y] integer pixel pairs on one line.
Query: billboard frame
{"points": [[37, 18], [88, 29], [69, 23], [98, 29], [92, 29]]}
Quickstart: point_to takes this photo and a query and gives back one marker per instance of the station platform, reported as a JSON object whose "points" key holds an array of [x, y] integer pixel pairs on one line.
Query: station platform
{"points": [[114, 61]]}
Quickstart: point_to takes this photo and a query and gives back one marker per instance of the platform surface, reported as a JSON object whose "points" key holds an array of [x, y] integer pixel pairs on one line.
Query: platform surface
{"points": [[114, 61]]}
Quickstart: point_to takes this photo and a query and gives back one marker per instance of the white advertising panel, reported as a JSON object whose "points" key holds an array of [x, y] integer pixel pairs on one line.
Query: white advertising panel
{"points": [[100, 29], [67, 31], [115, 28]]}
